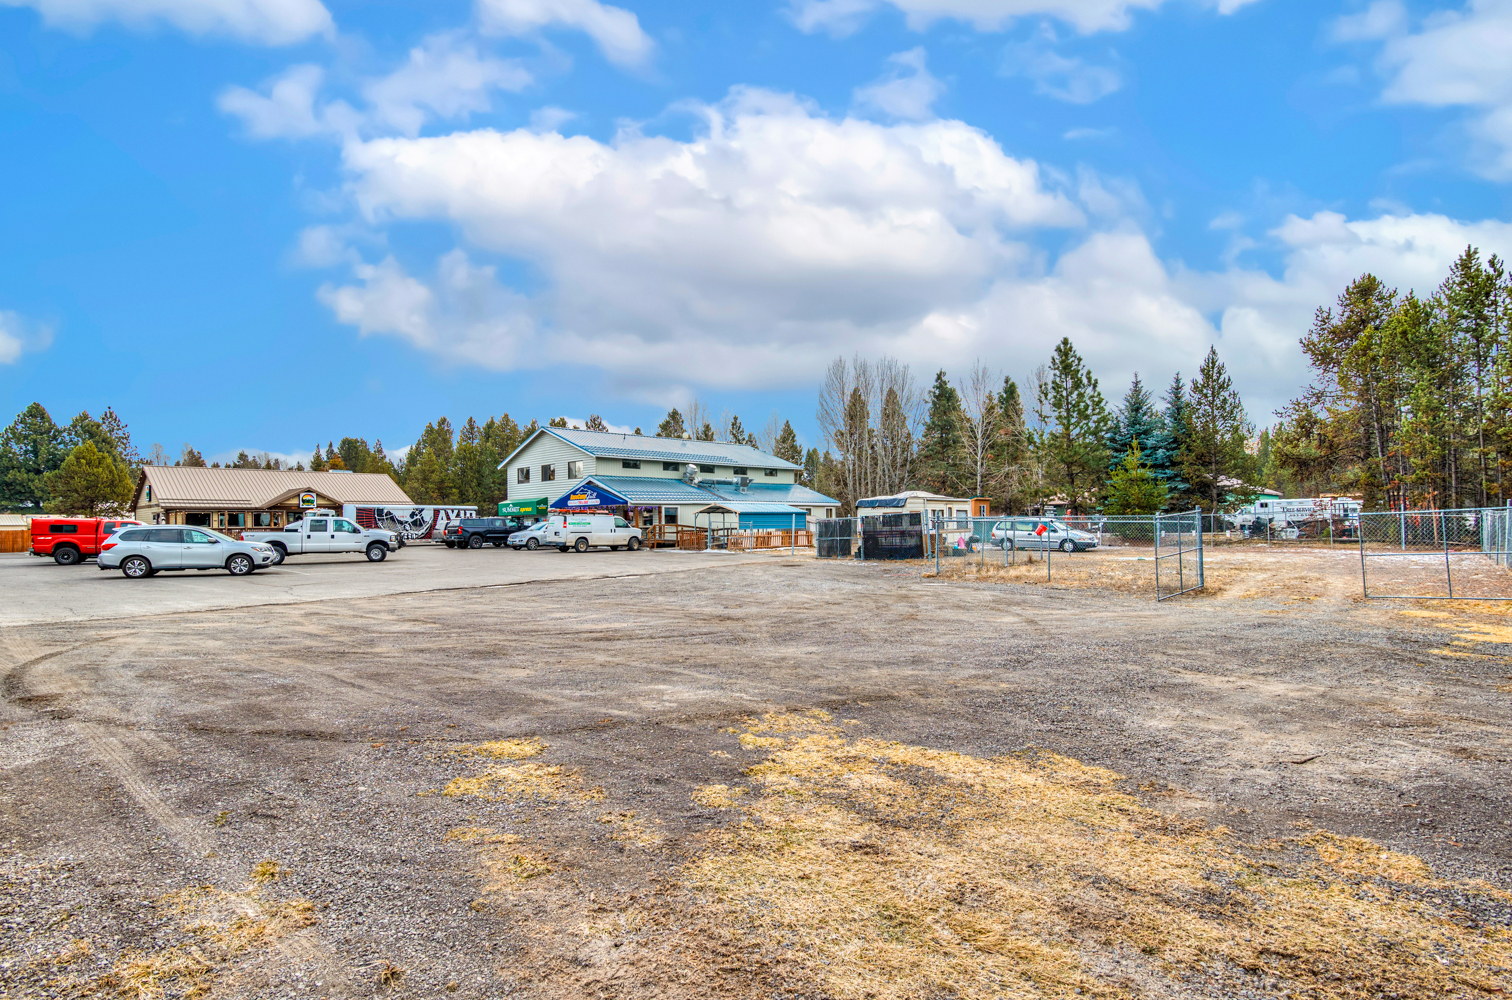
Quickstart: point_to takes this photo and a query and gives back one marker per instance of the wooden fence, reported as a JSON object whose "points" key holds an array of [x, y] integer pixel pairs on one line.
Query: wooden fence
{"points": [[15, 541]]}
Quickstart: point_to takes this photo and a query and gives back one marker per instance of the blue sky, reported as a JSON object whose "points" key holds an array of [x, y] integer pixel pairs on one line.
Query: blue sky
{"points": [[262, 223]]}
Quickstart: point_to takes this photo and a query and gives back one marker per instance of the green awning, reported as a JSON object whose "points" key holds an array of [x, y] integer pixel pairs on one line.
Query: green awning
{"points": [[523, 508]]}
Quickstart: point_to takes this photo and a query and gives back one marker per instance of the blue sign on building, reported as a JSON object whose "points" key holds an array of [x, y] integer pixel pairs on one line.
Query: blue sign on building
{"points": [[588, 496]]}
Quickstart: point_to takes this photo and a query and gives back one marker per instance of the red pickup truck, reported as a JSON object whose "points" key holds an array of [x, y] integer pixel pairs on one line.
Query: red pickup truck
{"points": [[71, 540]]}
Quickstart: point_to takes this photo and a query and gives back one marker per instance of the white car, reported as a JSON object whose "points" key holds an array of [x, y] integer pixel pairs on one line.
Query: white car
{"points": [[580, 531], [144, 551], [532, 537], [1040, 533]]}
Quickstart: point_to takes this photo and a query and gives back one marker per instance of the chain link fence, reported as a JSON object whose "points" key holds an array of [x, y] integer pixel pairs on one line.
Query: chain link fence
{"points": [[1436, 554], [1173, 543]]}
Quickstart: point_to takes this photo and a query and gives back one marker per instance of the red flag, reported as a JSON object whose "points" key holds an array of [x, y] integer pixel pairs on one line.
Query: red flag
{"points": [[1041, 530]]}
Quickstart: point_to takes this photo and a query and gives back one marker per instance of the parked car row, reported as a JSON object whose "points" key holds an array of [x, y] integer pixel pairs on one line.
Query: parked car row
{"points": [[141, 550]]}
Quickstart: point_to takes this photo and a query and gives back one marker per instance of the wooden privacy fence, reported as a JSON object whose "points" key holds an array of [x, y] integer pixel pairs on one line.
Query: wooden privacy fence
{"points": [[15, 540]]}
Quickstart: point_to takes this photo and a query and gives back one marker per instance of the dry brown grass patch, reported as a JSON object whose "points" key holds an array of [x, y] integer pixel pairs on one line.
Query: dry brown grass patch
{"points": [[223, 926], [717, 796], [545, 782], [505, 749], [895, 871]]}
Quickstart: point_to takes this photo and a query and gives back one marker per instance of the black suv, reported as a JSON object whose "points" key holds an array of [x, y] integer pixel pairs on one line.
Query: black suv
{"points": [[474, 532]]}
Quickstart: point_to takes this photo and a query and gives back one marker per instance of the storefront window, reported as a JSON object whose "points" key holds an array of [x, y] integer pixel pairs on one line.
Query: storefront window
{"points": [[237, 520], [262, 519], [669, 515]]}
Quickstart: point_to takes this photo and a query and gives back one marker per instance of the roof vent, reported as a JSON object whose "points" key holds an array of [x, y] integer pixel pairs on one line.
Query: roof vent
{"points": [[690, 473]]}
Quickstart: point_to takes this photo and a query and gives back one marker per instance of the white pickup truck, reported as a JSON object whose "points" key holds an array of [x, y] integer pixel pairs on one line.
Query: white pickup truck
{"points": [[323, 531]]}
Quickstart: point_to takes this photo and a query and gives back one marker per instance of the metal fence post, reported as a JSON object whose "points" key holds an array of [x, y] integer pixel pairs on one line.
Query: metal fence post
{"points": [[793, 538], [1364, 580], [1156, 533], [1448, 572], [939, 529], [1201, 568]]}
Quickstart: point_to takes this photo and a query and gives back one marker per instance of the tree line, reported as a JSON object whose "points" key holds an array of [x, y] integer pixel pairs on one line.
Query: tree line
{"points": [[1410, 406], [978, 436], [89, 467]]}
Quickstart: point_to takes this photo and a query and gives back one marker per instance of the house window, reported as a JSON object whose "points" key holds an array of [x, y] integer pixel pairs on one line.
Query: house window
{"points": [[548, 473], [236, 520], [629, 463], [671, 466], [262, 519], [706, 468], [771, 472], [575, 470], [741, 472], [669, 515], [522, 474]]}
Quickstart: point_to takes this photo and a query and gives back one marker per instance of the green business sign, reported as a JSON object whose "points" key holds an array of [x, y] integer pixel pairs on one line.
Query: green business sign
{"points": [[523, 508]]}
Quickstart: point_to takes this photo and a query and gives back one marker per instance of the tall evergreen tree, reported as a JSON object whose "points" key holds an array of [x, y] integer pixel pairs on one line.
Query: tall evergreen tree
{"points": [[942, 448], [595, 423], [1073, 419], [89, 483], [190, 458], [31, 447], [706, 432], [1133, 488], [1169, 446], [672, 426], [735, 432], [1013, 453], [786, 447], [1218, 463], [1134, 420]]}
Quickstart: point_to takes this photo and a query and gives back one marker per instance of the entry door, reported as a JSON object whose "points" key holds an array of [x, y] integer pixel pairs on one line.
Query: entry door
{"points": [[318, 536]]}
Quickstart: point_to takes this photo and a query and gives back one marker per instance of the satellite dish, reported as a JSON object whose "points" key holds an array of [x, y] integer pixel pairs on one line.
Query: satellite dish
{"points": [[687, 435]]}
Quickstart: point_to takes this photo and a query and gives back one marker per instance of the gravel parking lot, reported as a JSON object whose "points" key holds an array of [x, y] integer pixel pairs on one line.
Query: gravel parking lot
{"points": [[39, 590], [760, 777]]}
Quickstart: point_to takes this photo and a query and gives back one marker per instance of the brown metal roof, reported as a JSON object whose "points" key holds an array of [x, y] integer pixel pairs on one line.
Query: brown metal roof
{"points": [[253, 489]]}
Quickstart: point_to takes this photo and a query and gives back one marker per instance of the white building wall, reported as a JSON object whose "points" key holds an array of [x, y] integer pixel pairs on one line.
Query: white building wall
{"points": [[546, 450]]}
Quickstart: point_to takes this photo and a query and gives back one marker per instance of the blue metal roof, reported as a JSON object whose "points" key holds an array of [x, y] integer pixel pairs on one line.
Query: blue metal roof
{"points": [[751, 507], [883, 502], [602, 444], [789, 493]]}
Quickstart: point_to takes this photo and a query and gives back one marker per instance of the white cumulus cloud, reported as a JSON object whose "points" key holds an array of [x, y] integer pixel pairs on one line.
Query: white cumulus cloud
{"points": [[19, 335], [1456, 58], [616, 31], [908, 90], [1063, 77], [840, 17], [445, 76], [285, 108], [264, 22], [751, 254]]}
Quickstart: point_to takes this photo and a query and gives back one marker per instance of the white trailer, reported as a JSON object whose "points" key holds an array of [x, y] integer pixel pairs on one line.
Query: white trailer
{"points": [[409, 523], [1282, 513]]}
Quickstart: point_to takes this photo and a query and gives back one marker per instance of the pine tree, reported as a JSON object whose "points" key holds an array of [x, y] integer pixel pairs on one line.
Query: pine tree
{"points": [[787, 447], [595, 423], [90, 483], [120, 438], [1135, 420], [1218, 464], [672, 426], [317, 460], [1133, 488], [1169, 445], [706, 432], [942, 449], [191, 459], [31, 447], [1013, 453], [735, 433], [557, 422], [1073, 422]]}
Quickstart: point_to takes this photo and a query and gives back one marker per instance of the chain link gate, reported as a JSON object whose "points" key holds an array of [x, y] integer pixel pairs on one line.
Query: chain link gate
{"points": [[1178, 554], [1435, 554]]}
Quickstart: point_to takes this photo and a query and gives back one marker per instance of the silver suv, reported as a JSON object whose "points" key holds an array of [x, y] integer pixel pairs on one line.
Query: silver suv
{"points": [[142, 552], [1040, 533]]}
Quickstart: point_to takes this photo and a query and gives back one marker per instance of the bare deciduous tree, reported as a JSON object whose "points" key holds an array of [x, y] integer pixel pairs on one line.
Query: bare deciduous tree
{"points": [[980, 420]]}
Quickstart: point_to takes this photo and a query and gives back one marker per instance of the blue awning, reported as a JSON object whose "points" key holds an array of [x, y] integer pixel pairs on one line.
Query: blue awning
{"points": [[587, 495]]}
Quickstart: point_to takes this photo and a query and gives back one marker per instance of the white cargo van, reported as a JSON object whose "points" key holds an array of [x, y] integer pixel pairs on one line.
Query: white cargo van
{"points": [[579, 531]]}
